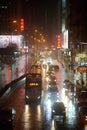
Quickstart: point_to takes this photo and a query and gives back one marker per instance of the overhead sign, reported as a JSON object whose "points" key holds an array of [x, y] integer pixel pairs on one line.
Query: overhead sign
{"points": [[82, 69]]}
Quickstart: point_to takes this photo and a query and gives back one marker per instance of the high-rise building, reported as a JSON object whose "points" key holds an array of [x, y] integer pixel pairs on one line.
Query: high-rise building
{"points": [[76, 21]]}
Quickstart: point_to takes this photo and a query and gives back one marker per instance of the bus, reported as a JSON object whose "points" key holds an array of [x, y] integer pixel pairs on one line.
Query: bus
{"points": [[33, 87], [36, 69]]}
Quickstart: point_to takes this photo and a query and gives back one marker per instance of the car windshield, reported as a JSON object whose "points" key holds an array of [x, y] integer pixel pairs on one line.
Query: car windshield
{"points": [[83, 95], [52, 83], [53, 89], [59, 106], [66, 81], [84, 110]]}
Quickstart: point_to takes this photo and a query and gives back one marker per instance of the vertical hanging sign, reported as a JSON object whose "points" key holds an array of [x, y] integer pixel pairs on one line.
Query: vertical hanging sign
{"points": [[58, 41], [22, 25]]}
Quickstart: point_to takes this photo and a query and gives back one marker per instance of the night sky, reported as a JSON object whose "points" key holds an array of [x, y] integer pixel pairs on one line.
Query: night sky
{"points": [[41, 14]]}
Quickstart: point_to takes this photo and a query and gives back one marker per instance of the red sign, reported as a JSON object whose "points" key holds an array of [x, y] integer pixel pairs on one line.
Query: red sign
{"points": [[59, 41], [82, 69], [22, 25]]}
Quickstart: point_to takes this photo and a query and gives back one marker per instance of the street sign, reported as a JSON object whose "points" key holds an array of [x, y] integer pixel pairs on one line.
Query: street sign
{"points": [[82, 69]]}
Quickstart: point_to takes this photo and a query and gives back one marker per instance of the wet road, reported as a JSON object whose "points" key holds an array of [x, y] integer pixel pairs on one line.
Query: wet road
{"points": [[37, 116]]}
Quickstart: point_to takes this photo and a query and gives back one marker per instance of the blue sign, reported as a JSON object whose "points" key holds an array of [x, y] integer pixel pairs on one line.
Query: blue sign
{"points": [[83, 63]]}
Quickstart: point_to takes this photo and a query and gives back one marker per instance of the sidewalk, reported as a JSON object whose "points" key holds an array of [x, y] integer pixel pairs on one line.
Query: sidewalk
{"points": [[69, 72], [70, 75]]}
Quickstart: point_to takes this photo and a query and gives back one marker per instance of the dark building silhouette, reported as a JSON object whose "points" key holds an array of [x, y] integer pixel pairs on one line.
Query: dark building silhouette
{"points": [[48, 16], [42, 14], [9, 11], [76, 21]]}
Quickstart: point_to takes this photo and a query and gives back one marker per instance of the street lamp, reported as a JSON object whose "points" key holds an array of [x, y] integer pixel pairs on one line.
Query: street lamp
{"points": [[14, 21], [14, 28]]}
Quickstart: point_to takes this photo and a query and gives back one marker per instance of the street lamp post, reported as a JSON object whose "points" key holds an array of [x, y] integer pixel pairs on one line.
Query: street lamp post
{"points": [[14, 29]]}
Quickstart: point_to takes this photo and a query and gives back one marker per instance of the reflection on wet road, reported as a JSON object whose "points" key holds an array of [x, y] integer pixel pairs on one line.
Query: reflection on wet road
{"points": [[36, 116], [70, 114]]}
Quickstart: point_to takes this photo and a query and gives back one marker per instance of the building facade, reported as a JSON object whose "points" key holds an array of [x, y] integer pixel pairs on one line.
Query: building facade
{"points": [[76, 21]]}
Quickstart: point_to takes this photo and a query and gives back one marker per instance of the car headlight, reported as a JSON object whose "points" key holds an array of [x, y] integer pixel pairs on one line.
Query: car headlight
{"points": [[57, 95], [39, 97], [27, 97], [57, 100], [49, 95], [86, 118], [48, 103], [53, 111], [64, 84]]}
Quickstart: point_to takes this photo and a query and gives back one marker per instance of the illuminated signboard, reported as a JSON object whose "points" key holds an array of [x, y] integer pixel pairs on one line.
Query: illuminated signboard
{"points": [[65, 40], [22, 25], [59, 42], [15, 39], [83, 63], [82, 69]]}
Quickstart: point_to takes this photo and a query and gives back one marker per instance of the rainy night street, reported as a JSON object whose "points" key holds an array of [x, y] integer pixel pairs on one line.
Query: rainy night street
{"points": [[43, 65], [37, 116]]}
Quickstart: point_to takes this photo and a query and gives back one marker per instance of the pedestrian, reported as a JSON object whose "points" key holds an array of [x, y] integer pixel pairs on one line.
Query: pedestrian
{"points": [[72, 88], [82, 83], [77, 82]]}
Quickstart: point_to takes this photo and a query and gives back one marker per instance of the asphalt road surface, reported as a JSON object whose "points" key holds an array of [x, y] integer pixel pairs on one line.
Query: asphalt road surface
{"points": [[37, 116]]}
